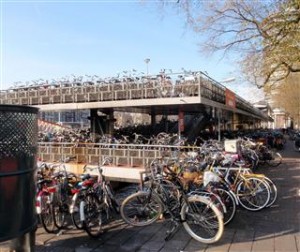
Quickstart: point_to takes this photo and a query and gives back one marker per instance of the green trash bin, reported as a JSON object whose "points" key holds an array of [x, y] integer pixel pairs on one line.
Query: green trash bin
{"points": [[18, 150]]}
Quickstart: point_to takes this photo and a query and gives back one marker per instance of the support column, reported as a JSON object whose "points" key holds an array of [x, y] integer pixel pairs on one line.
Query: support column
{"points": [[102, 122], [180, 122], [219, 124], [98, 126], [235, 120], [153, 119], [110, 122]]}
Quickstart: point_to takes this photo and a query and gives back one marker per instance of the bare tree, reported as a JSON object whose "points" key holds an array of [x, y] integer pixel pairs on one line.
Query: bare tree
{"points": [[265, 34]]}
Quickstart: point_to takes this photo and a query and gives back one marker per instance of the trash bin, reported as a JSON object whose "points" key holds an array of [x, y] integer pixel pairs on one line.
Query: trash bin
{"points": [[18, 150]]}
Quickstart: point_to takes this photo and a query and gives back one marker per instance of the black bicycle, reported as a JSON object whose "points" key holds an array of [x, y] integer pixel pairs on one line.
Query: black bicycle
{"points": [[200, 217]]}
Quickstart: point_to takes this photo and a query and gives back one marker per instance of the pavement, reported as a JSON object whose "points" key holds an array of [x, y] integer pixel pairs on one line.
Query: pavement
{"points": [[271, 229]]}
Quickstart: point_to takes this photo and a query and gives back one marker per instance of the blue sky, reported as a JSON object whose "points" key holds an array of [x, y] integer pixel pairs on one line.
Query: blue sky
{"points": [[54, 39]]}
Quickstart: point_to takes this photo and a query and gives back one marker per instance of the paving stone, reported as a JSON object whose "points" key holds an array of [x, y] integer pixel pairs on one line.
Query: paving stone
{"points": [[263, 242], [297, 238], [195, 246], [146, 250], [82, 249], [224, 243], [152, 245], [137, 241], [174, 245], [242, 241], [57, 249], [286, 243], [122, 237], [111, 248]]}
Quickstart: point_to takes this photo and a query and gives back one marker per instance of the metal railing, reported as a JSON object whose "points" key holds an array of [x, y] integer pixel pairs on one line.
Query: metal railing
{"points": [[200, 85], [129, 155], [98, 93]]}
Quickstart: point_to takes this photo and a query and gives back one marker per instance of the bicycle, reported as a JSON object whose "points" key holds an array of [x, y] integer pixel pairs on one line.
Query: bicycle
{"points": [[201, 219], [62, 196], [271, 185], [252, 191], [96, 201], [44, 197], [268, 156]]}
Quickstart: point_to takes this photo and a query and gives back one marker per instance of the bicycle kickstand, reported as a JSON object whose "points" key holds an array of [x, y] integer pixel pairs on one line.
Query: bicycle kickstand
{"points": [[175, 224]]}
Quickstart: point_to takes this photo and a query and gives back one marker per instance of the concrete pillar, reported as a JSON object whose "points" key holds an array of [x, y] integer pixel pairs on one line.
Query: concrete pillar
{"points": [[219, 112], [110, 122], [235, 121], [98, 126], [153, 119], [180, 122]]}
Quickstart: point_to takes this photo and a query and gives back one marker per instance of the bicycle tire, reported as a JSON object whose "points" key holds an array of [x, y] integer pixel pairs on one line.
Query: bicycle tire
{"points": [[250, 199], [213, 197], [60, 209], [46, 215], [202, 219], [141, 209], [229, 202], [93, 216], [276, 159], [59, 215], [273, 191]]}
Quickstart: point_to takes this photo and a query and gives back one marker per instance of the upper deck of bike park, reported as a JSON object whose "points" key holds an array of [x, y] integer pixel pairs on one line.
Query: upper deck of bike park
{"points": [[139, 94]]}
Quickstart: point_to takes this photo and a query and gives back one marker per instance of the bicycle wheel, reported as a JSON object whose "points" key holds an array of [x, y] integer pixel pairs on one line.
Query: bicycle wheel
{"points": [[213, 197], [273, 191], [202, 219], [60, 209], [229, 202], [46, 216], [253, 194], [141, 208], [93, 214], [276, 159]]}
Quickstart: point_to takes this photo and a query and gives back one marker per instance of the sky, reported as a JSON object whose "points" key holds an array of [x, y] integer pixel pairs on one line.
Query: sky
{"points": [[54, 39]]}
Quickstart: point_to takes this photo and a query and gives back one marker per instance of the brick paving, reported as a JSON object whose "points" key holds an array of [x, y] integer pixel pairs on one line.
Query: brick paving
{"points": [[272, 229]]}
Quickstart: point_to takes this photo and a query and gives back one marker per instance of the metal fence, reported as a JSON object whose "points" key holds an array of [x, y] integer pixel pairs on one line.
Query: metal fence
{"points": [[129, 155]]}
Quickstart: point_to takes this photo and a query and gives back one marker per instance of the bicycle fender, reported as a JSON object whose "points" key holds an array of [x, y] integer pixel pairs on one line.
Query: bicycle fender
{"points": [[72, 206], [38, 205], [81, 210]]}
